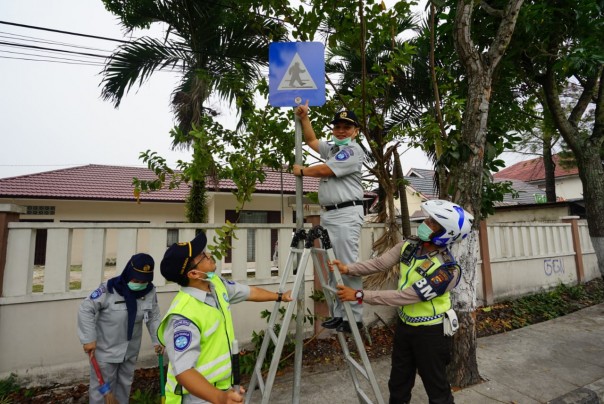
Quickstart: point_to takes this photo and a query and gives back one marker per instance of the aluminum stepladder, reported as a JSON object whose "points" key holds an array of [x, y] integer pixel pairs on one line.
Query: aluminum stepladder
{"points": [[320, 259]]}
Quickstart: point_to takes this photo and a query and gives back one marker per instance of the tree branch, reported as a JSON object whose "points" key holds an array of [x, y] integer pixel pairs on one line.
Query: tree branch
{"points": [[490, 10], [504, 33], [587, 96]]}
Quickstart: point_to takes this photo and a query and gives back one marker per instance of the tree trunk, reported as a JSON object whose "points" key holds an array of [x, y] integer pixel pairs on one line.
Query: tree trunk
{"points": [[402, 194], [467, 176], [550, 168], [592, 177], [463, 369]]}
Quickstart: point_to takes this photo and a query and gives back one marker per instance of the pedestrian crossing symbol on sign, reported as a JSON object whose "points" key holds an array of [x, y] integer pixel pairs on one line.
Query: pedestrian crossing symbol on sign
{"points": [[296, 74]]}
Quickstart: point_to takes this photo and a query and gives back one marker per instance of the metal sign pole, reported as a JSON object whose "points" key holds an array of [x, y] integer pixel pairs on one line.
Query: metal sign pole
{"points": [[300, 303]]}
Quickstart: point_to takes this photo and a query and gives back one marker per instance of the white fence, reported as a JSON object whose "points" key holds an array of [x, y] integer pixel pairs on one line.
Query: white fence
{"points": [[528, 257], [38, 337]]}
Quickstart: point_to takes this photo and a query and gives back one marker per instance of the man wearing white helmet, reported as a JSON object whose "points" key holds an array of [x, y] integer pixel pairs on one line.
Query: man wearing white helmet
{"points": [[426, 322]]}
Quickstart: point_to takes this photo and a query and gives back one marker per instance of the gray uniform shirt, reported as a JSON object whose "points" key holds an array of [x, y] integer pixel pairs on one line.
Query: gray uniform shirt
{"points": [[346, 162], [185, 359], [103, 318], [382, 263]]}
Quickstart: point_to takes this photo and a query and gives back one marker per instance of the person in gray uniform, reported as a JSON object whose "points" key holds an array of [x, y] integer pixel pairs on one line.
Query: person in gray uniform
{"points": [[341, 198], [110, 326], [197, 330]]}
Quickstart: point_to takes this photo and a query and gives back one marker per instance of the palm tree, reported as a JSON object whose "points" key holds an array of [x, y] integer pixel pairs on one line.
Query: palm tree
{"points": [[219, 47]]}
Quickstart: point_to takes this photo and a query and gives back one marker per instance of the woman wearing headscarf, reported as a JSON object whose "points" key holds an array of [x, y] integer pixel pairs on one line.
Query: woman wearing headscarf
{"points": [[110, 325]]}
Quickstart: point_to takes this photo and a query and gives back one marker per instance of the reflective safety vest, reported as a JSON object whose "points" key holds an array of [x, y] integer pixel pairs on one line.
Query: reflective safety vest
{"points": [[427, 312], [217, 333]]}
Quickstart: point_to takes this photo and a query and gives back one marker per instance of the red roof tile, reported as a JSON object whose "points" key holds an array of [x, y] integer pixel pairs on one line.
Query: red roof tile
{"points": [[534, 170], [100, 182]]}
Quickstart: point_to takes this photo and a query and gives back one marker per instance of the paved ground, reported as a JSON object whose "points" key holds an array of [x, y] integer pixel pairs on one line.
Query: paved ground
{"points": [[558, 361]]}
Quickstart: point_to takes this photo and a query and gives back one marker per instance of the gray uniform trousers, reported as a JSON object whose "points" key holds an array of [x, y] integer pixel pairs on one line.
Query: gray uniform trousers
{"points": [[122, 375], [344, 229]]}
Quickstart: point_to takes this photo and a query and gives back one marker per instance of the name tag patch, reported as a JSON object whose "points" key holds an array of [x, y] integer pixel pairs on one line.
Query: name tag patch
{"points": [[182, 322]]}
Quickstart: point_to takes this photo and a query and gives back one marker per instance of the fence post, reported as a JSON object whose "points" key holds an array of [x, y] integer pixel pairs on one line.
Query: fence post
{"points": [[574, 229], [8, 213], [485, 268]]}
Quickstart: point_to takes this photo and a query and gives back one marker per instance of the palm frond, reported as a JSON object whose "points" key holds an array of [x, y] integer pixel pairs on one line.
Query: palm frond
{"points": [[136, 62]]}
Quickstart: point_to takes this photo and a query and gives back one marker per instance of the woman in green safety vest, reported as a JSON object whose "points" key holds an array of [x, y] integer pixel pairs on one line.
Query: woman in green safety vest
{"points": [[197, 330], [425, 323]]}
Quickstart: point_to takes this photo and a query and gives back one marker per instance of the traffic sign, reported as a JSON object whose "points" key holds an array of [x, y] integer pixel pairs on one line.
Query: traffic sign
{"points": [[296, 74]]}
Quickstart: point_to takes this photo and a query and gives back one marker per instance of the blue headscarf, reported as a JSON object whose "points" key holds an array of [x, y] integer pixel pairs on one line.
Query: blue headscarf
{"points": [[139, 267]]}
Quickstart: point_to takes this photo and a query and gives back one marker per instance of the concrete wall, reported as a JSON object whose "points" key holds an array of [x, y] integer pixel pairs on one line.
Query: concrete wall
{"points": [[569, 187], [40, 342]]}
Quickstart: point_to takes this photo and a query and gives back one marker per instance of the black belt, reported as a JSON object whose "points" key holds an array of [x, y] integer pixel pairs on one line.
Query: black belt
{"points": [[343, 205]]}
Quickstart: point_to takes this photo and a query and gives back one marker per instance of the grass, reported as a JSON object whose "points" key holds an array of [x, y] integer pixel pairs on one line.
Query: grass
{"points": [[38, 286], [74, 285], [533, 309]]}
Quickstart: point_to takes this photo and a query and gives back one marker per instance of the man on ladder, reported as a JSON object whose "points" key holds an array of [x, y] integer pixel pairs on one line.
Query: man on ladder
{"points": [[340, 196]]}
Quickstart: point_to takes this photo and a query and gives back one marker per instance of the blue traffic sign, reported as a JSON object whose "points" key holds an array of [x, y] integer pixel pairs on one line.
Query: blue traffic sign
{"points": [[296, 74]]}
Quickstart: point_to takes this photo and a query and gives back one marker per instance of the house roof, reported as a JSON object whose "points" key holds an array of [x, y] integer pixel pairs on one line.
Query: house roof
{"points": [[534, 170], [422, 181], [101, 182]]}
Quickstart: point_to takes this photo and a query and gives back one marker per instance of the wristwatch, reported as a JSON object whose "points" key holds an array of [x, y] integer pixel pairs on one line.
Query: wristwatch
{"points": [[359, 295]]}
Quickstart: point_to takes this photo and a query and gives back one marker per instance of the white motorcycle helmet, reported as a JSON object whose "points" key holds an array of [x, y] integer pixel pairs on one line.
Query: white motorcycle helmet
{"points": [[456, 222]]}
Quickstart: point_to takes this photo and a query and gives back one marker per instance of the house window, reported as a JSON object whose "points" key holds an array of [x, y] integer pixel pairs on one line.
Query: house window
{"points": [[172, 237], [254, 216], [41, 210]]}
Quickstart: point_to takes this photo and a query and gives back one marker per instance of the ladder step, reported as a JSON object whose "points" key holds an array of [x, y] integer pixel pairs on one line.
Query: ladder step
{"points": [[331, 289], [273, 335], [258, 372], [357, 365]]}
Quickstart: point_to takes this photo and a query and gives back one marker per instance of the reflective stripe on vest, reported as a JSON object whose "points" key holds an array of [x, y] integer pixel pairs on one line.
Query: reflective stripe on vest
{"points": [[424, 312], [216, 333]]}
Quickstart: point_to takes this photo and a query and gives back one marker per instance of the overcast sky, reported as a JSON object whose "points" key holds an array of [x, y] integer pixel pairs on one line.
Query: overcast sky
{"points": [[52, 116]]}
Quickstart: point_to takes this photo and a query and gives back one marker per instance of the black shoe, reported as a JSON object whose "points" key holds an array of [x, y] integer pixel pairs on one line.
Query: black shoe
{"points": [[345, 327], [332, 323]]}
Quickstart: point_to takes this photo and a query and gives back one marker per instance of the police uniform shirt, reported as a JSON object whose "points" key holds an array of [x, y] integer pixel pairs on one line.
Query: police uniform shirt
{"points": [[103, 317], [187, 359], [346, 162]]}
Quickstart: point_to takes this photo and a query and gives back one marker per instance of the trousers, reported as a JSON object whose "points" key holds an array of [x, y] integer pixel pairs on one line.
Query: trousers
{"points": [[422, 349], [344, 229]]}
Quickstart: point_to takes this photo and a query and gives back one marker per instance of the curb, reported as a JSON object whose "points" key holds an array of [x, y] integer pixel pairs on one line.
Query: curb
{"points": [[582, 395]]}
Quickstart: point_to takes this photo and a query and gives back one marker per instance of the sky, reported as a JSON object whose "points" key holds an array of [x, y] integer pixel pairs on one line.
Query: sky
{"points": [[52, 114]]}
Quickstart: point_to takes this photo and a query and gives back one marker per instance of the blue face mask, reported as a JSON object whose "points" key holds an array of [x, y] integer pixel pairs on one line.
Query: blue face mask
{"points": [[424, 232], [341, 142], [137, 287], [210, 275]]}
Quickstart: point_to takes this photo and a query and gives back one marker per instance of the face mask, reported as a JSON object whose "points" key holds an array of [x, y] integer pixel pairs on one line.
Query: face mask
{"points": [[341, 142], [210, 275], [137, 287], [424, 232]]}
